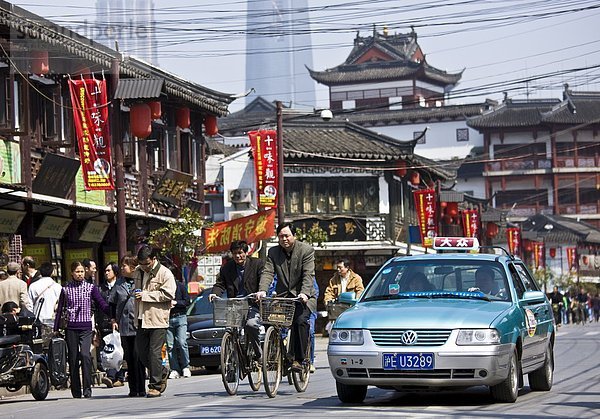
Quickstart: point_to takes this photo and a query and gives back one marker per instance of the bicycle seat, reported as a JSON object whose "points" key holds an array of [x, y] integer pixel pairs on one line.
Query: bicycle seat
{"points": [[9, 340]]}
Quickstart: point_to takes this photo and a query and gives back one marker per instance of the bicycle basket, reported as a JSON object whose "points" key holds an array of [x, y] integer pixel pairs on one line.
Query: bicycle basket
{"points": [[230, 312], [277, 312]]}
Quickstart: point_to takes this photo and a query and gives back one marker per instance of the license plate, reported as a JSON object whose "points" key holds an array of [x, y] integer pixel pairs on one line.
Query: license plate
{"points": [[406, 361], [210, 349]]}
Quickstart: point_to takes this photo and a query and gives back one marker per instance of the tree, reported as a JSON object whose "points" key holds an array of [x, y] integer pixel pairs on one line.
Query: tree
{"points": [[180, 238]]}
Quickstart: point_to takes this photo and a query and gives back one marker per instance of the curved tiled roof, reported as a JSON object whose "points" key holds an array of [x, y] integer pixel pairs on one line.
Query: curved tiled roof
{"points": [[512, 114]]}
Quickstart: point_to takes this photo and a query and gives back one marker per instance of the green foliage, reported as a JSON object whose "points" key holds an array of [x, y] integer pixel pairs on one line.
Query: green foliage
{"points": [[315, 235], [180, 238]]}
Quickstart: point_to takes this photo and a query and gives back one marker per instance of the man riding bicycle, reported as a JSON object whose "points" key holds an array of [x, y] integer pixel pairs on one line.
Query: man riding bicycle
{"points": [[294, 264], [238, 278]]}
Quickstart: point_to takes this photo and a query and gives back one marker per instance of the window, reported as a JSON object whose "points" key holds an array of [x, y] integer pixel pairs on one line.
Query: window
{"points": [[4, 98], [462, 134], [420, 135], [173, 150], [348, 104], [523, 197], [527, 280]]}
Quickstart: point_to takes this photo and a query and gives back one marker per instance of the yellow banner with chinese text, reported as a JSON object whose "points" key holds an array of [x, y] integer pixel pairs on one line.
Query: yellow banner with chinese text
{"points": [[251, 229]]}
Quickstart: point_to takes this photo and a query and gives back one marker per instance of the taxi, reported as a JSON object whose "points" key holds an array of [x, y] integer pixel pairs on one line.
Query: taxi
{"points": [[442, 321]]}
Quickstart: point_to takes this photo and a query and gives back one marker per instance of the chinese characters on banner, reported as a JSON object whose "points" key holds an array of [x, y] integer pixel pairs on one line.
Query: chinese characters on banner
{"points": [[470, 221], [90, 114], [538, 255], [253, 228], [171, 187], [264, 152], [425, 204], [572, 258], [513, 237]]}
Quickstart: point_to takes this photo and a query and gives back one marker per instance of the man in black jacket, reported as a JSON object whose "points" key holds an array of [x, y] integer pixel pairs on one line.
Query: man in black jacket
{"points": [[238, 278]]}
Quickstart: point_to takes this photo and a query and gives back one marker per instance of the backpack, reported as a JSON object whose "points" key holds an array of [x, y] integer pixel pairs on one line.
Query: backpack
{"points": [[57, 362]]}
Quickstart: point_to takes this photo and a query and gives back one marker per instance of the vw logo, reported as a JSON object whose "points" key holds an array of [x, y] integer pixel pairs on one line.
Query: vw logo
{"points": [[409, 337]]}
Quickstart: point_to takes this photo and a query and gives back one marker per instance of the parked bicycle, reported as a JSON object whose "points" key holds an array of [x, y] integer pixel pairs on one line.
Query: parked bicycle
{"points": [[278, 313], [238, 358]]}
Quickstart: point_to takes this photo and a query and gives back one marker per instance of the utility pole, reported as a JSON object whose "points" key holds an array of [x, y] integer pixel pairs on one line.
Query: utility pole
{"points": [[117, 138], [280, 189]]}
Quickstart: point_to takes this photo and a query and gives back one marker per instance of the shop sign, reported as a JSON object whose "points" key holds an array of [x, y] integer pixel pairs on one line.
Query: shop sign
{"points": [[56, 175], [77, 255], [10, 221], [264, 152], [171, 187], [94, 231], [339, 229], [39, 252], [256, 227], [425, 205], [53, 227]]}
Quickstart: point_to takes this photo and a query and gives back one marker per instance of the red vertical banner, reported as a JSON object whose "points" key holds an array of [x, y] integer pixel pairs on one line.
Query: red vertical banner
{"points": [[425, 205], [572, 258], [90, 114], [513, 237], [538, 255], [470, 222], [264, 152]]}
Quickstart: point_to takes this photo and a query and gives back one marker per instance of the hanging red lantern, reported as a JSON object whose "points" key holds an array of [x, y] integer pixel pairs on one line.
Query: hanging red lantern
{"points": [[401, 168], [40, 62], [452, 209], [443, 204], [140, 120], [552, 252], [527, 246], [491, 229], [210, 125], [155, 109], [183, 118], [415, 178]]}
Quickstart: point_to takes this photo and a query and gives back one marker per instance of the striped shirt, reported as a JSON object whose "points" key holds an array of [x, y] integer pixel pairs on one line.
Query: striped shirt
{"points": [[78, 297]]}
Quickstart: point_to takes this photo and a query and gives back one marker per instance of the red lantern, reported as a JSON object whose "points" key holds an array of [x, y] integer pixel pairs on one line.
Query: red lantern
{"points": [[443, 204], [155, 109], [491, 229], [210, 125], [140, 120], [415, 178], [39, 62], [552, 252], [183, 118], [528, 245], [401, 170], [452, 209]]}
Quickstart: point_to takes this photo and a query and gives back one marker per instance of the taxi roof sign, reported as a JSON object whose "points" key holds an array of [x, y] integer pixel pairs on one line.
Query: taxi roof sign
{"points": [[456, 243]]}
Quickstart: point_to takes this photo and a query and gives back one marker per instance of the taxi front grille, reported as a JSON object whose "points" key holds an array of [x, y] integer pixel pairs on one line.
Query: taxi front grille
{"points": [[456, 374], [425, 337]]}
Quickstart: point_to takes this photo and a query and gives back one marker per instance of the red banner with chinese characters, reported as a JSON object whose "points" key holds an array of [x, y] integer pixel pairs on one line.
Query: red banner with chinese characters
{"points": [[513, 237], [539, 261], [572, 258], [470, 222], [253, 228], [425, 205], [90, 114], [264, 152]]}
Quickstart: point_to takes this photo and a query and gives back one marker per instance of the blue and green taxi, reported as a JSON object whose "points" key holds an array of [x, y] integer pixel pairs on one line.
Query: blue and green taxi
{"points": [[446, 320]]}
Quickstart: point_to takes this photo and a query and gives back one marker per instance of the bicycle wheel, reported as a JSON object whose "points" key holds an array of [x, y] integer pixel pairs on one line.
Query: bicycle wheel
{"points": [[230, 364], [254, 369], [271, 367], [301, 377]]}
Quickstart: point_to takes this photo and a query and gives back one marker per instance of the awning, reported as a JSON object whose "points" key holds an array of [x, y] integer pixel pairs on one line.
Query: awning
{"points": [[139, 88]]}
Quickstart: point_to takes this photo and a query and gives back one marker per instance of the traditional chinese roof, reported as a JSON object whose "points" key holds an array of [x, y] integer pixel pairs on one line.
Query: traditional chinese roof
{"points": [[557, 229], [214, 146], [61, 40], [383, 57]]}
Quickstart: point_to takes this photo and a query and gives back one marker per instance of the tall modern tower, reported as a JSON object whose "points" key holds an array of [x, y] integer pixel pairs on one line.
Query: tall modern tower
{"points": [[278, 50], [131, 24]]}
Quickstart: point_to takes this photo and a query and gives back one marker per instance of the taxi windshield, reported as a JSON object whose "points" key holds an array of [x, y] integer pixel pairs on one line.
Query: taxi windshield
{"points": [[439, 278]]}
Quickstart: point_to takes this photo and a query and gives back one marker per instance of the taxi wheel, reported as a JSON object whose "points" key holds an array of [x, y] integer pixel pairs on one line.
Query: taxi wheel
{"points": [[508, 390], [541, 380], [351, 394]]}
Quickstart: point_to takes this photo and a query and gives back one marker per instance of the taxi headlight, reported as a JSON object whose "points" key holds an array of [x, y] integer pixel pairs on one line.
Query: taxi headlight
{"points": [[478, 337], [346, 337]]}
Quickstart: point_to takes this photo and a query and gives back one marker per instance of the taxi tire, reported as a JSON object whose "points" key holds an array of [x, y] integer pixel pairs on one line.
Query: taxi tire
{"points": [[351, 393], [508, 390], [541, 379]]}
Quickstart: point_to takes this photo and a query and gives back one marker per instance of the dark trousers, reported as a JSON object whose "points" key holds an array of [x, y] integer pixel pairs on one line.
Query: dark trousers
{"points": [[300, 331], [149, 343], [78, 347], [136, 373]]}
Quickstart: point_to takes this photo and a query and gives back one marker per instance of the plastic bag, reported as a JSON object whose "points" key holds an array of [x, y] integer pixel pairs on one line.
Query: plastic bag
{"points": [[111, 354]]}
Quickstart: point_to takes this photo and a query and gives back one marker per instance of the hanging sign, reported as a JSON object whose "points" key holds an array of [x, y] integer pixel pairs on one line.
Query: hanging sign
{"points": [[90, 114], [470, 222], [264, 152], [425, 204], [572, 258], [253, 228], [538, 255], [513, 237]]}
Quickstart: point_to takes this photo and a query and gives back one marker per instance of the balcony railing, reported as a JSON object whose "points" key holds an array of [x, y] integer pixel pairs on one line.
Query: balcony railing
{"points": [[572, 162], [519, 164]]}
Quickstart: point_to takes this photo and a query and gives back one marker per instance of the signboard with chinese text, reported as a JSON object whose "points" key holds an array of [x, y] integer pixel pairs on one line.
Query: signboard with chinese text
{"points": [[77, 255], [470, 222], [90, 115], [171, 187], [572, 258], [256, 227], [513, 238], [94, 231], [425, 205], [53, 227], [264, 152], [56, 175], [338, 229], [39, 252], [538, 255], [10, 220]]}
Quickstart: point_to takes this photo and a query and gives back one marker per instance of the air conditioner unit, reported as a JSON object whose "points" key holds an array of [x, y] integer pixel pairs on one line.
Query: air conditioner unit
{"points": [[233, 215], [239, 196]]}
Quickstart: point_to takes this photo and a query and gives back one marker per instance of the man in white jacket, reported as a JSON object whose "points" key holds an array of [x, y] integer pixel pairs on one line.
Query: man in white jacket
{"points": [[44, 294]]}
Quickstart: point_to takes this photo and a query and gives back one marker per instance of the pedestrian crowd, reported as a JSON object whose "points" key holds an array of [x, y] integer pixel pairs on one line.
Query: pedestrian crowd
{"points": [[575, 306]]}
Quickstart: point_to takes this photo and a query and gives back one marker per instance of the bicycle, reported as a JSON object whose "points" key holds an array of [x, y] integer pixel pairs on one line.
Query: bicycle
{"points": [[238, 358], [278, 313]]}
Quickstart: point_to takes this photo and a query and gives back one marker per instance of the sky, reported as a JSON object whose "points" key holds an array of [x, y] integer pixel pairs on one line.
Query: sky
{"points": [[528, 49]]}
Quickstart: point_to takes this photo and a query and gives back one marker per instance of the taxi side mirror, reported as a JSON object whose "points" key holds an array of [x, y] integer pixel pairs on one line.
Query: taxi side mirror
{"points": [[534, 297], [347, 298]]}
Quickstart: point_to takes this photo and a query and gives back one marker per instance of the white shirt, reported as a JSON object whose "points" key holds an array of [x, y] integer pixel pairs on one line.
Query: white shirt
{"points": [[49, 290], [344, 283]]}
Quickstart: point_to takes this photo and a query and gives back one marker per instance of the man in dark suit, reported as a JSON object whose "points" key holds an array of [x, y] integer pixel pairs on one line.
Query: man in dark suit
{"points": [[293, 262], [238, 278]]}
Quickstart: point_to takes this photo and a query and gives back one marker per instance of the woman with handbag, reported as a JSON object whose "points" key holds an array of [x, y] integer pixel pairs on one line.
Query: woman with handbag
{"points": [[75, 306], [121, 303]]}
